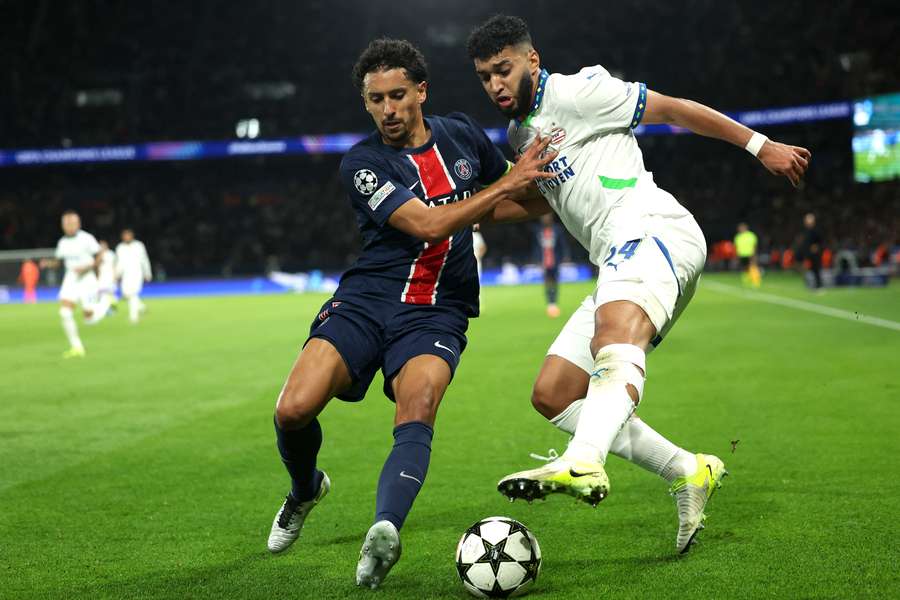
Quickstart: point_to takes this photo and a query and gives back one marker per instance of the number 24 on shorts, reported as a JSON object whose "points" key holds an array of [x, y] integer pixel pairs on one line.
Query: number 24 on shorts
{"points": [[626, 251]]}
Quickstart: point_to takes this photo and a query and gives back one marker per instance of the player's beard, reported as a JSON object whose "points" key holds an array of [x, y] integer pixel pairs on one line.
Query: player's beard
{"points": [[523, 99]]}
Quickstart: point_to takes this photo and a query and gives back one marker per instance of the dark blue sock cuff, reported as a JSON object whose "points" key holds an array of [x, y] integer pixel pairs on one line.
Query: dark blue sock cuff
{"points": [[413, 432]]}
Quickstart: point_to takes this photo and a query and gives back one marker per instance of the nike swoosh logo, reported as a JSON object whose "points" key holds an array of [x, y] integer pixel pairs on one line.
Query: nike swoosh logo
{"points": [[403, 474], [414, 185], [575, 473], [443, 347]]}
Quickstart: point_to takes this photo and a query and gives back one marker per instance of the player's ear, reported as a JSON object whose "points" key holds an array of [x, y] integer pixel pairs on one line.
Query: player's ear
{"points": [[421, 92], [534, 60]]}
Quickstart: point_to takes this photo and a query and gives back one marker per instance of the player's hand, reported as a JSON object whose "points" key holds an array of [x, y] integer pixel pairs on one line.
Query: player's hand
{"points": [[781, 159], [530, 166]]}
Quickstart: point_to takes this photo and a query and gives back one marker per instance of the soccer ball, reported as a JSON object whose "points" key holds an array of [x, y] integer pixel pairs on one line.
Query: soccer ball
{"points": [[365, 181], [498, 557]]}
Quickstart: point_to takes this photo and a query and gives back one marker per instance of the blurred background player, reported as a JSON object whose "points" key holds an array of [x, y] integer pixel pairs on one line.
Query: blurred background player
{"points": [[745, 247], [811, 251], [29, 276], [133, 267], [551, 243], [106, 277], [79, 251], [479, 248]]}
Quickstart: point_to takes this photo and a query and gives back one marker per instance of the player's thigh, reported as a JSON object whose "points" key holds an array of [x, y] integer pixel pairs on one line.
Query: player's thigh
{"points": [[637, 290], [69, 292], [318, 374], [419, 387], [559, 383], [426, 345]]}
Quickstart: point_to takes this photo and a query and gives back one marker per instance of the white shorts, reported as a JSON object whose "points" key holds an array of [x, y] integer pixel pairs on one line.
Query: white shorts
{"points": [[79, 289], [132, 284], [659, 273]]}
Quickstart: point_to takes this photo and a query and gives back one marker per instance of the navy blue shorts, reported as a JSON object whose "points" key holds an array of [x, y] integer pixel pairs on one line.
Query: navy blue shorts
{"points": [[368, 338]]}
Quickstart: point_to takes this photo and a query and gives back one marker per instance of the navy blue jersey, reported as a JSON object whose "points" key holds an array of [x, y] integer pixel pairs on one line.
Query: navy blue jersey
{"points": [[398, 268]]}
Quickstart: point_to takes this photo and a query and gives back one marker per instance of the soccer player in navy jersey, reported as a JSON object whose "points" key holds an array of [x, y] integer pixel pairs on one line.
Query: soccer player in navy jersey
{"points": [[404, 306]]}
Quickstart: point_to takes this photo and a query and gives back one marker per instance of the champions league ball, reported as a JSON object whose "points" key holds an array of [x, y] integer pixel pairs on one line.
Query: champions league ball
{"points": [[498, 557], [365, 181]]}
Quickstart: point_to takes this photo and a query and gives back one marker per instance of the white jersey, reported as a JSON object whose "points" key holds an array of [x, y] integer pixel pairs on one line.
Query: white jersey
{"points": [[77, 251], [106, 272], [132, 260], [602, 192]]}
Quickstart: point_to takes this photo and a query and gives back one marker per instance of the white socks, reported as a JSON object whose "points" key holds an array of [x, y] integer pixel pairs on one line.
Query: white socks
{"points": [[69, 326], [638, 443], [608, 405], [134, 308]]}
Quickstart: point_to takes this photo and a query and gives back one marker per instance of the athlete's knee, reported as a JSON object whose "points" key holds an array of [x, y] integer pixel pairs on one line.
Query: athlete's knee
{"points": [[296, 408], [621, 365], [544, 400], [420, 404]]}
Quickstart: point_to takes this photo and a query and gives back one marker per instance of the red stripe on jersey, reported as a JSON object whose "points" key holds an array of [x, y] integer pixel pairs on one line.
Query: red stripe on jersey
{"points": [[433, 173], [425, 273]]}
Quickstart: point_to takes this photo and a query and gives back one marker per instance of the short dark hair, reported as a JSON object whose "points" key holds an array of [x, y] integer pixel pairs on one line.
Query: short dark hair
{"points": [[383, 54], [69, 212], [495, 34]]}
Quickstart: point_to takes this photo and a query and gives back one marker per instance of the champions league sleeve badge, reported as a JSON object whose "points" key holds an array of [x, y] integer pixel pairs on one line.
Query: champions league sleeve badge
{"points": [[365, 181]]}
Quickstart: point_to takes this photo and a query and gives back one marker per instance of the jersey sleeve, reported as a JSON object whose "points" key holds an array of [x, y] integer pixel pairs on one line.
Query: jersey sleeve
{"points": [[493, 164], [607, 102], [91, 244], [59, 252], [373, 189]]}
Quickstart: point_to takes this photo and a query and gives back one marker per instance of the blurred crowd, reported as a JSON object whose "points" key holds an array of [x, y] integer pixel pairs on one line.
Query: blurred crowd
{"points": [[98, 72]]}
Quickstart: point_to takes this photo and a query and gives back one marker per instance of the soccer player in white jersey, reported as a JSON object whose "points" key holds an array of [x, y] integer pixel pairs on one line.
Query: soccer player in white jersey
{"points": [[79, 251], [133, 266], [649, 249], [106, 276]]}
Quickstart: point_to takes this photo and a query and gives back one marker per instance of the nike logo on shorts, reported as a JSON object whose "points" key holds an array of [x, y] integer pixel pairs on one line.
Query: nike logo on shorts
{"points": [[403, 474], [443, 347]]}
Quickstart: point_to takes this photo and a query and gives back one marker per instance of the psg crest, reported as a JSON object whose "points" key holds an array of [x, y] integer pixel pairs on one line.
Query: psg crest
{"points": [[463, 168]]}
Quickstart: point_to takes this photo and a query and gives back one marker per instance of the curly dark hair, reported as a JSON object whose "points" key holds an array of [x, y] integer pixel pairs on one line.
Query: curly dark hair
{"points": [[495, 34], [383, 54]]}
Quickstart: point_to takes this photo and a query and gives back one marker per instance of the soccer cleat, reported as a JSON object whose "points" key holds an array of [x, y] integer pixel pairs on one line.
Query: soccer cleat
{"points": [[289, 520], [380, 551], [74, 352], [583, 480], [691, 495]]}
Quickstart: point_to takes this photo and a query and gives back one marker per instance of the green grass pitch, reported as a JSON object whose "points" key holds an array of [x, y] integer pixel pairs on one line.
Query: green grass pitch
{"points": [[148, 469]]}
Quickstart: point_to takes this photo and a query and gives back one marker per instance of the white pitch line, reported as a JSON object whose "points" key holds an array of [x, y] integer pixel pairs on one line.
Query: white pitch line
{"points": [[801, 305]]}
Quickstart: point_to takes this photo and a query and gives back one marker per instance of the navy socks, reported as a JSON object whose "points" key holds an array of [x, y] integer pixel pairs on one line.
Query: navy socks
{"points": [[298, 449], [404, 472]]}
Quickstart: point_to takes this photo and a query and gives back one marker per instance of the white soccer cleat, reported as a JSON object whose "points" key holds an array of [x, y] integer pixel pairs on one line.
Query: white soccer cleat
{"points": [[584, 481], [380, 551], [289, 520], [691, 495]]}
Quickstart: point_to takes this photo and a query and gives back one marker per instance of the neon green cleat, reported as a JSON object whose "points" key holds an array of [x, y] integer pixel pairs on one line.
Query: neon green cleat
{"points": [[691, 495], [74, 353], [584, 481]]}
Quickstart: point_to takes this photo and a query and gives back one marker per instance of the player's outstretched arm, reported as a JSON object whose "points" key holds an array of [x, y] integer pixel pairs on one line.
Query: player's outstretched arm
{"points": [[438, 223], [778, 158], [531, 206]]}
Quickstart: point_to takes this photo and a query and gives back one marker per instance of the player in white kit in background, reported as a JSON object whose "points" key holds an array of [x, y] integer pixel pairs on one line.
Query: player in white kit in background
{"points": [[79, 251], [106, 277], [648, 247], [479, 248], [133, 266]]}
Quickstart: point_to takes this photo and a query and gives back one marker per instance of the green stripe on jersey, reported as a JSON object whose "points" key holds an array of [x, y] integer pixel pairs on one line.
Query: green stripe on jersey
{"points": [[617, 184]]}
